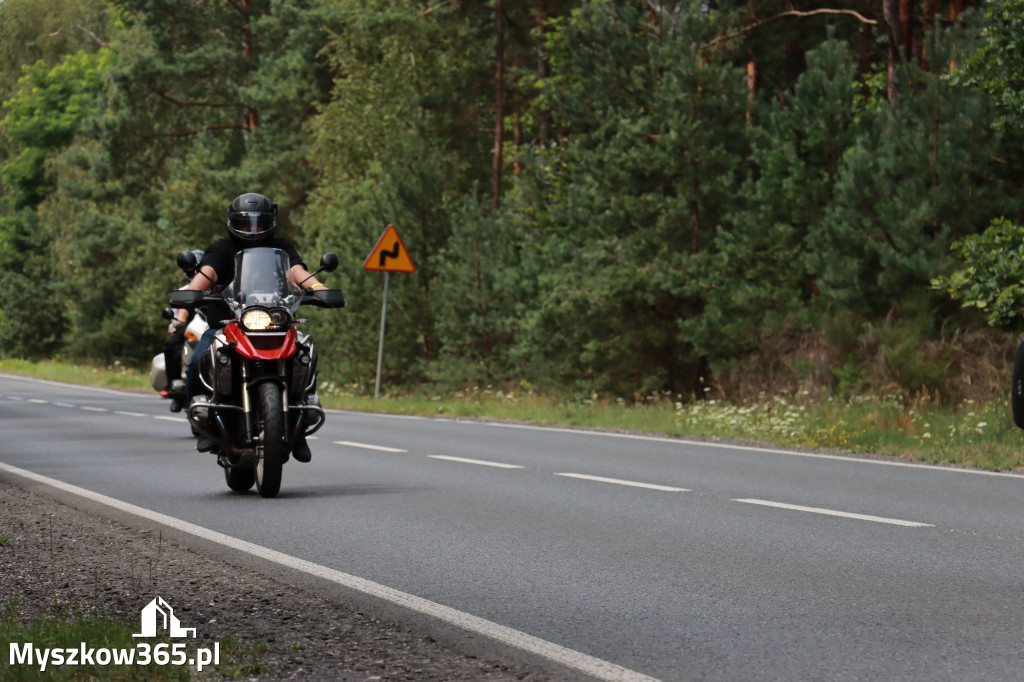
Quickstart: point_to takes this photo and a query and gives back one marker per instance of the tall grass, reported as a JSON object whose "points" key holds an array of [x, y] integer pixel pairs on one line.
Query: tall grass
{"points": [[978, 434]]}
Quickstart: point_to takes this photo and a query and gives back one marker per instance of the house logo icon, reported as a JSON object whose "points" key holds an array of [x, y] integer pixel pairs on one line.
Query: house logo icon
{"points": [[158, 615]]}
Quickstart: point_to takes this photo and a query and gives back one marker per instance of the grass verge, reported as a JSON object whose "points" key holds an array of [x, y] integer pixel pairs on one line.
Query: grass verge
{"points": [[75, 631], [94, 633], [116, 375], [978, 434]]}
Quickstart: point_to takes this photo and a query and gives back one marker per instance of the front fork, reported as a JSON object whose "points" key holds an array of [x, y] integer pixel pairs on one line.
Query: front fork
{"points": [[247, 408]]}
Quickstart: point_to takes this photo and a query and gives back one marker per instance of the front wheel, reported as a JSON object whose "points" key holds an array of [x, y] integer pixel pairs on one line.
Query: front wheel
{"points": [[270, 450]]}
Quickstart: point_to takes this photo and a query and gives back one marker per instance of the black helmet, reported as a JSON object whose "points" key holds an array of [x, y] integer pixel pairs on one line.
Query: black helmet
{"points": [[252, 217], [191, 271]]}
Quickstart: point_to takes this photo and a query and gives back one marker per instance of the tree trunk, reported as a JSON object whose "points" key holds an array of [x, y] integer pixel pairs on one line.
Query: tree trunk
{"points": [[542, 68], [752, 83], [499, 105], [907, 22], [252, 119], [931, 8], [894, 31], [956, 8]]}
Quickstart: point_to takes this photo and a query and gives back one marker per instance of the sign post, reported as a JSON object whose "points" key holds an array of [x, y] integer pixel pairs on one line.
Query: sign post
{"points": [[389, 255]]}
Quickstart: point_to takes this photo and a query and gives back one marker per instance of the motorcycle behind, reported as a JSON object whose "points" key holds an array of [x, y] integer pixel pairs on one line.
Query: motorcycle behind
{"points": [[179, 350], [260, 372]]}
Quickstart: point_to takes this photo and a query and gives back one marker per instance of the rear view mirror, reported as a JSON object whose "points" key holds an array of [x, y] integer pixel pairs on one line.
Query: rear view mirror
{"points": [[187, 261], [329, 262]]}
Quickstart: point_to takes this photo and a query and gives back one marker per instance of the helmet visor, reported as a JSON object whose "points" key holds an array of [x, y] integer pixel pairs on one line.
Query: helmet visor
{"points": [[252, 224]]}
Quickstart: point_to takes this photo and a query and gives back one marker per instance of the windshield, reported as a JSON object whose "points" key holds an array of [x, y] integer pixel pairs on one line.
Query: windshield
{"points": [[261, 278]]}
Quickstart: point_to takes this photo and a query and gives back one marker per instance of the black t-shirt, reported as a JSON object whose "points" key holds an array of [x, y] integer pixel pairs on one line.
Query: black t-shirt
{"points": [[221, 255]]}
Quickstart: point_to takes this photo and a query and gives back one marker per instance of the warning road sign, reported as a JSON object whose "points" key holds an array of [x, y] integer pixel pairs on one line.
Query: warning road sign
{"points": [[389, 254]]}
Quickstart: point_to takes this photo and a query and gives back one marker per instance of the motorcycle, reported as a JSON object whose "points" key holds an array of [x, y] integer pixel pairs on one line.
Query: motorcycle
{"points": [[175, 390], [196, 327], [260, 371]]}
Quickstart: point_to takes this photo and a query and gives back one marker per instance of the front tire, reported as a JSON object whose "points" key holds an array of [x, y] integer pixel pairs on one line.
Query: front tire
{"points": [[270, 450]]}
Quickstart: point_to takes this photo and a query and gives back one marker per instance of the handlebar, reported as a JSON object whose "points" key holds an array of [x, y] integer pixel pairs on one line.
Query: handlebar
{"points": [[321, 298]]}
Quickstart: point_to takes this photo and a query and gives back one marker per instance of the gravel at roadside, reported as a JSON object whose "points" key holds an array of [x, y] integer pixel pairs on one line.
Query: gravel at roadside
{"points": [[91, 564]]}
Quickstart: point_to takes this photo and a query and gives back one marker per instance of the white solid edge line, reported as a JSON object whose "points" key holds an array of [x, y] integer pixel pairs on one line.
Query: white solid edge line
{"points": [[367, 446], [481, 462], [831, 512], [589, 665], [635, 484]]}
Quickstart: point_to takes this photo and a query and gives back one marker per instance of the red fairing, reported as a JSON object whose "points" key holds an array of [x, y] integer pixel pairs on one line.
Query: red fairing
{"points": [[244, 345]]}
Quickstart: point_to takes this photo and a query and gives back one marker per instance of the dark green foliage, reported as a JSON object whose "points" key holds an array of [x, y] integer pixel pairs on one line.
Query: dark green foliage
{"points": [[43, 117], [32, 31], [127, 160], [990, 276], [393, 148], [759, 265], [920, 177], [995, 66], [628, 204]]}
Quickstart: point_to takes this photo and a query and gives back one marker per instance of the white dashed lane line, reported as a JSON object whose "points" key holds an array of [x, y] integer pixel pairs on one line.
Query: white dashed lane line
{"points": [[633, 484], [367, 446], [501, 465], [832, 512], [463, 460]]}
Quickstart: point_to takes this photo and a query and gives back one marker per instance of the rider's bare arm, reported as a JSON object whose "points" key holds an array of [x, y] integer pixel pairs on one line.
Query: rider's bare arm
{"points": [[203, 280], [301, 274]]}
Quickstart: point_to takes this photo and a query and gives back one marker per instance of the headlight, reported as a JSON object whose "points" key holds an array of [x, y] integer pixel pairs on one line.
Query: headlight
{"points": [[262, 320], [257, 320]]}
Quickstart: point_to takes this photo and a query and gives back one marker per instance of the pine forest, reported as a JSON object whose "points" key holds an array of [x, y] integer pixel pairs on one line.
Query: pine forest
{"points": [[619, 198]]}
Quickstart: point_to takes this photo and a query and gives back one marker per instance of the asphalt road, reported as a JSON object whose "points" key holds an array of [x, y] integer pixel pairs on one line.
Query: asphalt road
{"points": [[674, 559]]}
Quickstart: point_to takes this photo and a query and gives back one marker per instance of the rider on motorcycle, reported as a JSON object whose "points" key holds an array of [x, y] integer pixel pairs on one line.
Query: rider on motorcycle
{"points": [[252, 220], [172, 349]]}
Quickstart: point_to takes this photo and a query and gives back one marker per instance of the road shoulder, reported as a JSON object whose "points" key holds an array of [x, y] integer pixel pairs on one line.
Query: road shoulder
{"points": [[71, 557]]}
